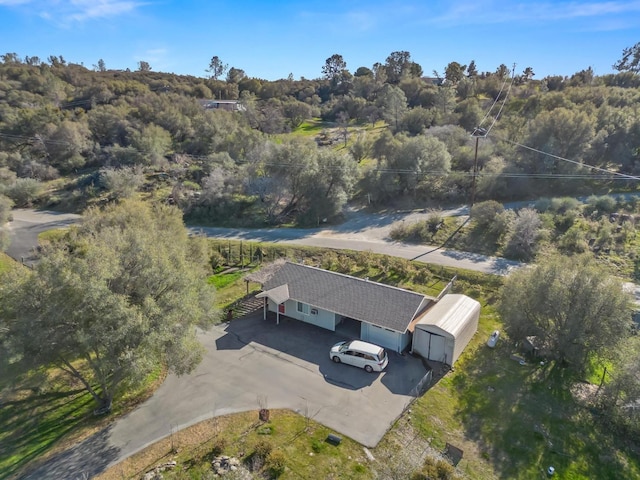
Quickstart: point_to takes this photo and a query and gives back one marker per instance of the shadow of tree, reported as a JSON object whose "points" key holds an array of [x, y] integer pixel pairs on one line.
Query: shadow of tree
{"points": [[524, 419]]}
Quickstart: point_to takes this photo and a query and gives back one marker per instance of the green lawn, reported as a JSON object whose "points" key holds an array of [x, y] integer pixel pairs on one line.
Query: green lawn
{"points": [[6, 262], [45, 411]]}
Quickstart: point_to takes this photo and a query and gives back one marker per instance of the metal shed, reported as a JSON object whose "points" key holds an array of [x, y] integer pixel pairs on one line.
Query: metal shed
{"points": [[444, 330]]}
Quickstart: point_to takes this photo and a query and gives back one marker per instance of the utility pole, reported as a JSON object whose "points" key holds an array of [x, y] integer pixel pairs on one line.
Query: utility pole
{"points": [[477, 133]]}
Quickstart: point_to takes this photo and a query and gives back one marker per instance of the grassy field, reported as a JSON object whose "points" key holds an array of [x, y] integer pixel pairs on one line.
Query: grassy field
{"points": [[44, 411], [6, 262]]}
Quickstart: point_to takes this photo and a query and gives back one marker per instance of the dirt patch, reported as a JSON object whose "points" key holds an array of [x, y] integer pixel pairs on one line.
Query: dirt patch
{"points": [[585, 393]]}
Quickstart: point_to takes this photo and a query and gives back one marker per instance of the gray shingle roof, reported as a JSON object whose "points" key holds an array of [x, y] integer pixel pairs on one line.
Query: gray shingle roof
{"points": [[367, 301]]}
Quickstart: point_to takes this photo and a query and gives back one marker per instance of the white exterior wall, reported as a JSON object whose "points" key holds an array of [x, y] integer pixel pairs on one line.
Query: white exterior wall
{"points": [[465, 335], [323, 318]]}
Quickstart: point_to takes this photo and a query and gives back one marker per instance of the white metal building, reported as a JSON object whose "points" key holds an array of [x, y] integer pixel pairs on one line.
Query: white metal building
{"points": [[445, 329]]}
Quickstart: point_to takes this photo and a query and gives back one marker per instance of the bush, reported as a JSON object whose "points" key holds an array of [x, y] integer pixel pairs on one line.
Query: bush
{"points": [[602, 204], [275, 464], [262, 449], [24, 191], [218, 446]]}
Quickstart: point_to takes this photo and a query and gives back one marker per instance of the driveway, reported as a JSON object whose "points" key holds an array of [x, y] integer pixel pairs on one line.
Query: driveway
{"points": [[27, 224], [288, 364]]}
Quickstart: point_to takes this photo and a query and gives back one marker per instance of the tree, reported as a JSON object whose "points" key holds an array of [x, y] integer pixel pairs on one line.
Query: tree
{"points": [[5, 216], [144, 66], [360, 148], [502, 71], [334, 68], [527, 231], [571, 304], [620, 399], [528, 74], [630, 61], [472, 70], [122, 182], [235, 75], [454, 72], [101, 66], [120, 297], [216, 67], [393, 104], [397, 65]]}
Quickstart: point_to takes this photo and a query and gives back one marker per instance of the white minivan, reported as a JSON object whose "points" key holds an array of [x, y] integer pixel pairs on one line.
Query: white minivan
{"points": [[360, 354]]}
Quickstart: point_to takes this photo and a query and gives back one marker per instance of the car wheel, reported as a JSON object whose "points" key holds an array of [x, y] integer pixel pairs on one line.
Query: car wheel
{"points": [[368, 368], [336, 359]]}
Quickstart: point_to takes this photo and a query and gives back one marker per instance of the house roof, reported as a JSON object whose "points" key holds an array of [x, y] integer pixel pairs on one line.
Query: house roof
{"points": [[450, 314], [279, 294], [382, 305]]}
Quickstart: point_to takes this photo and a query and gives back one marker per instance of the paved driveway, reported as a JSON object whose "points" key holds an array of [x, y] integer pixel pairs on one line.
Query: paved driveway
{"points": [[288, 364]]}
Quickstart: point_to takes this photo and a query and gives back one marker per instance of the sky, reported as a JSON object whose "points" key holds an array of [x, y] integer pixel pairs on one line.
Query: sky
{"points": [[271, 39]]}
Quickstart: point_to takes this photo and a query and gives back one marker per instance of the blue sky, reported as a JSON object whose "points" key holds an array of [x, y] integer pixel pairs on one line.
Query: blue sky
{"points": [[271, 39]]}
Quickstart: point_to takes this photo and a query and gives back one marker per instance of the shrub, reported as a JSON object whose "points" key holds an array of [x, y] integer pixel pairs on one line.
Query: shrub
{"points": [[24, 191], [602, 204], [275, 463], [262, 449], [218, 446]]}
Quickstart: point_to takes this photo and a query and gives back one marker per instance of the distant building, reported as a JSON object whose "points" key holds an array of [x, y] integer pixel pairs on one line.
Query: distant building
{"points": [[229, 105]]}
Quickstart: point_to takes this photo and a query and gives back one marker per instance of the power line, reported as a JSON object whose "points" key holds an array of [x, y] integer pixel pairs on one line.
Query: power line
{"points": [[606, 174], [575, 162]]}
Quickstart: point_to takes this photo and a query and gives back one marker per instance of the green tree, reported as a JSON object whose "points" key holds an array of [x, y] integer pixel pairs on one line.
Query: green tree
{"points": [[393, 104], [153, 142], [334, 68], [235, 75], [398, 65], [472, 70], [144, 66], [5, 216], [454, 72], [630, 61], [216, 67], [120, 297], [571, 304]]}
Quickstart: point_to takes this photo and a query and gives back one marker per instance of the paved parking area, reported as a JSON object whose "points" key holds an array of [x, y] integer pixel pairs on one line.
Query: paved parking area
{"points": [[288, 364]]}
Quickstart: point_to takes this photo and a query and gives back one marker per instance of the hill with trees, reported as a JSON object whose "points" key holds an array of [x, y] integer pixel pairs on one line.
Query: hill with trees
{"points": [[71, 137]]}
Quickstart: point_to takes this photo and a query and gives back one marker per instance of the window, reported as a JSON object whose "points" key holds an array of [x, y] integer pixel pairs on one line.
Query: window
{"points": [[303, 308]]}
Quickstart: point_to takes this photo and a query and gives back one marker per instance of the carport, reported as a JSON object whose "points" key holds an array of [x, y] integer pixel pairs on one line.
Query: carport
{"points": [[443, 331]]}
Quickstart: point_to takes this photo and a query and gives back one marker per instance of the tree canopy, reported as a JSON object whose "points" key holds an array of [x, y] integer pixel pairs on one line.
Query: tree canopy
{"points": [[120, 296], [574, 308]]}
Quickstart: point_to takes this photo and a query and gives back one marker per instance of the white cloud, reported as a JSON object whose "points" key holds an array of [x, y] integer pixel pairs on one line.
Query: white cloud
{"points": [[65, 12], [89, 9], [494, 12]]}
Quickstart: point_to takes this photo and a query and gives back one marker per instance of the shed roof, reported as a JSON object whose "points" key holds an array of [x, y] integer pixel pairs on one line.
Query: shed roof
{"points": [[450, 314], [382, 305]]}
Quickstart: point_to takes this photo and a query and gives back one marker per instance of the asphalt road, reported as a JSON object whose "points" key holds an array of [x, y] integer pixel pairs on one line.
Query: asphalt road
{"points": [[27, 224], [361, 231]]}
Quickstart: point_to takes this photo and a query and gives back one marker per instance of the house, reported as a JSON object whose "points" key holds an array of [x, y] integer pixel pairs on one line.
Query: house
{"points": [[229, 105], [383, 313]]}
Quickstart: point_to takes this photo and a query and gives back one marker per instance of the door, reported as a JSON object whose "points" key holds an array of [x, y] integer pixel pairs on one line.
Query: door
{"points": [[436, 348], [380, 336]]}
